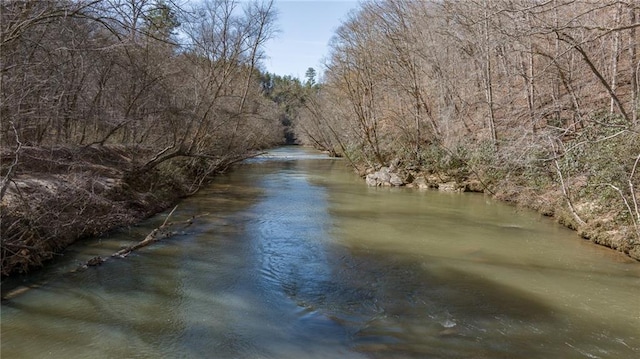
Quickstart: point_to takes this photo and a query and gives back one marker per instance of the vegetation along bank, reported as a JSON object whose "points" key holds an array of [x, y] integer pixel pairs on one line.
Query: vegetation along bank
{"points": [[113, 110], [108, 116], [534, 103]]}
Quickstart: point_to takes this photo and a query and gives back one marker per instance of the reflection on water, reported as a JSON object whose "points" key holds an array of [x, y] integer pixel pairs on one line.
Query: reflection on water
{"points": [[298, 259]]}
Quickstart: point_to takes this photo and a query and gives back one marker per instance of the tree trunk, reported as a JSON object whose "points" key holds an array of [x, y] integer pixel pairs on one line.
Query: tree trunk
{"points": [[615, 56], [488, 79], [635, 65]]}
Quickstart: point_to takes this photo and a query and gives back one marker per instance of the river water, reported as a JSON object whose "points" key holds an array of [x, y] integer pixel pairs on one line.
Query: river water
{"points": [[294, 257]]}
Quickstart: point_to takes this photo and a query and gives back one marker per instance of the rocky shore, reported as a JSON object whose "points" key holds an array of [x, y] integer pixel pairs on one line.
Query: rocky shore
{"points": [[394, 177]]}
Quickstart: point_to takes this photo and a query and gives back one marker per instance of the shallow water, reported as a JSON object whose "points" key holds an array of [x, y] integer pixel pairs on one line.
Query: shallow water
{"points": [[296, 258]]}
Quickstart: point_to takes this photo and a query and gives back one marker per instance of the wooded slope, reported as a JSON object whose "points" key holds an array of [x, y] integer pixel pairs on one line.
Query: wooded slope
{"points": [[113, 109], [536, 99]]}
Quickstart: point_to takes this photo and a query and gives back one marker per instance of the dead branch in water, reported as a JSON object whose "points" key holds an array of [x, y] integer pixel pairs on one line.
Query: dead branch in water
{"points": [[154, 236]]}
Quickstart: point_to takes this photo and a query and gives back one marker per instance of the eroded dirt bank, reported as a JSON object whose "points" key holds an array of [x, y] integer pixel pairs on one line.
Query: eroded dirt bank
{"points": [[57, 196]]}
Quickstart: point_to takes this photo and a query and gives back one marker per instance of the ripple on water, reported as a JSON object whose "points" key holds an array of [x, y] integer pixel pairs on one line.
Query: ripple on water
{"points": [[300, 260]]}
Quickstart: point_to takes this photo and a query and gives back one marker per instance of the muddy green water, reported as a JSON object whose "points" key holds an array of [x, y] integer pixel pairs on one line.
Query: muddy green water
{"points": [[297, 258]]}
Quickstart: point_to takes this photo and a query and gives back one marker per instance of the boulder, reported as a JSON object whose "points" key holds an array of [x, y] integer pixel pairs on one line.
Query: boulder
{"points": [[384, 177], [372, 180], [396, 180], [421, 183], [450, 187], [384, 174]]}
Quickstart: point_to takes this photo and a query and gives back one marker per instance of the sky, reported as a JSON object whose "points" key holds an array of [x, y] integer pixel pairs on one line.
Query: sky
{"points": [[305, 29]]}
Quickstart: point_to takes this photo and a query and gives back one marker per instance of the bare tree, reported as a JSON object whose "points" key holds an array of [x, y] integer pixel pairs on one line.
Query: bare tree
{"points": [[542, 95]]}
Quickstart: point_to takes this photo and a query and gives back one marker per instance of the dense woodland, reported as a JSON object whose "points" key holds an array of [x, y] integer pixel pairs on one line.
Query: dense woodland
{"points": [[536, 99], [82, 73], [117, 107], [120, 106]]}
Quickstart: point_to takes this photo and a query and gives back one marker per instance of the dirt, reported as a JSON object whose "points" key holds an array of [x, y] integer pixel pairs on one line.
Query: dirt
{"points": [[57, 196]]}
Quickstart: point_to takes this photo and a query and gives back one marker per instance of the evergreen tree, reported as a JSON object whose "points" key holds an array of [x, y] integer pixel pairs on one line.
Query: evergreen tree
{"points": [[161, 21], [311, 77]]}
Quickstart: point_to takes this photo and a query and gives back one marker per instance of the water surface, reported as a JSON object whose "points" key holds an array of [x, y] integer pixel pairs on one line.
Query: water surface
{"points": [[294, 257]]}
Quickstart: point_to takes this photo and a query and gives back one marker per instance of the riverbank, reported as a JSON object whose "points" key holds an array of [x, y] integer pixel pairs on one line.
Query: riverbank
{"points": [[296, 258], [594, 221], [60, 195]]}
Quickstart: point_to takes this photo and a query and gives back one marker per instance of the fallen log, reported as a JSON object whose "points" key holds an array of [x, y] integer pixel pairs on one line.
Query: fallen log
{"points": [[154, 236], [164, 231]]}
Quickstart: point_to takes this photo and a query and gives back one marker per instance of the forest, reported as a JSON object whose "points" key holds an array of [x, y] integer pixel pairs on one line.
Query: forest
{"points": [[114, 109], [533, 102]]}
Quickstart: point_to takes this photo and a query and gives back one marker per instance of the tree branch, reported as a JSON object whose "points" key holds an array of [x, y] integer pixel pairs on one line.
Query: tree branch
{"points": [[10, 170]]}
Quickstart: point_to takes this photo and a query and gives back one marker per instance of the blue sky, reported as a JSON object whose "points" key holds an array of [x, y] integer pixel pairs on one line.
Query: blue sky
{"points": [[306, 26]]}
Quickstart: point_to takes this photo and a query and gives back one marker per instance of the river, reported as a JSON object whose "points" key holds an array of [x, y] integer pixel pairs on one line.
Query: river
{"points": [[294, 257]]}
